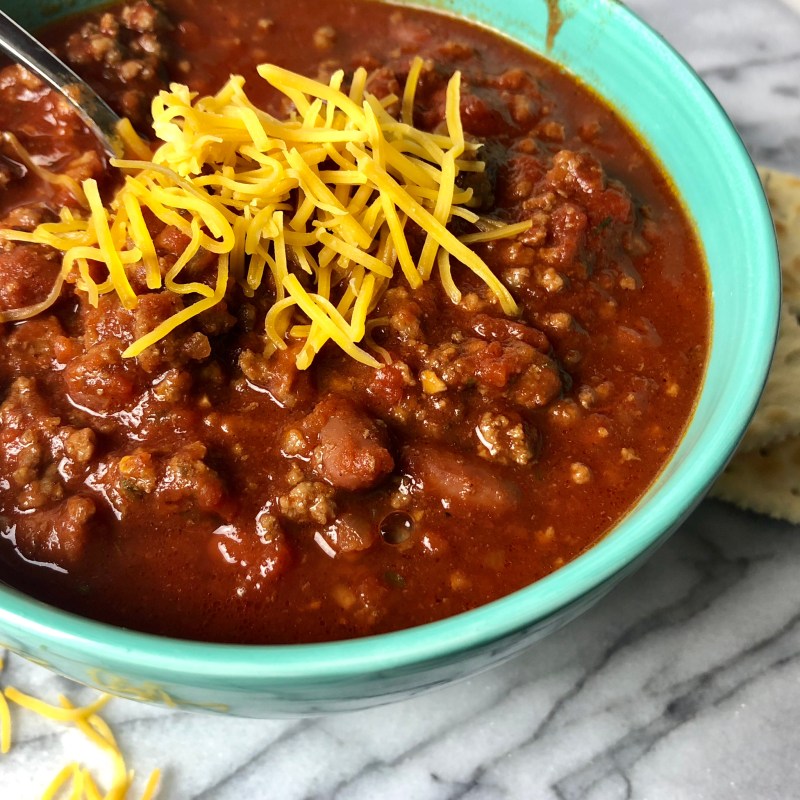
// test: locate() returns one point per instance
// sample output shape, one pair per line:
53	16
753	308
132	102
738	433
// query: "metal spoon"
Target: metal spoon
16	42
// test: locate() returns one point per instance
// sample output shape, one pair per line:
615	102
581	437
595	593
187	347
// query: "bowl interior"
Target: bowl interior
638	73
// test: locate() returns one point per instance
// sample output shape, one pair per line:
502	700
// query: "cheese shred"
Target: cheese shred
314	208
5	725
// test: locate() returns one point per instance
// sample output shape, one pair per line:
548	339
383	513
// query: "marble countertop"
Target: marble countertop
683	683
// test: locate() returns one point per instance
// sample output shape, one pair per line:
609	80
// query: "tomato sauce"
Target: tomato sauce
206	490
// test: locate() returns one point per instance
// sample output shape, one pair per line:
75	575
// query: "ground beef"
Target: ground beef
42	491
178	482
175	350
137	472
101	380
27	274
27	428
78	448
42	457
41	341
277	374
527	377
189	482
505	438
309	501
59	535
26	218
125	51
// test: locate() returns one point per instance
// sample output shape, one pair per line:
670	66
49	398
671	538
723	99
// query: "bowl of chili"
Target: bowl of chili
412	519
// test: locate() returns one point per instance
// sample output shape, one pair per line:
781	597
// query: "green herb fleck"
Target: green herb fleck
603	225
395	579
130	486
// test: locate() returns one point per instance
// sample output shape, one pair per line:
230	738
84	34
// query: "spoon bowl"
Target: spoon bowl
24	48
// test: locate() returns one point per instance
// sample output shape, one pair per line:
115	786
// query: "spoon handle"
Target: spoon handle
16	42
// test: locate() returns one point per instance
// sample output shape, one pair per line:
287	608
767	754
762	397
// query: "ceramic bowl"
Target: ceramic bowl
629	65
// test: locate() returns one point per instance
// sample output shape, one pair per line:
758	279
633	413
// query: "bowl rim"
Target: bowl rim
640	530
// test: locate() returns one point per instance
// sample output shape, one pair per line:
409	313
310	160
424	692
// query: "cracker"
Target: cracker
783	194
764	475
765	480
778	414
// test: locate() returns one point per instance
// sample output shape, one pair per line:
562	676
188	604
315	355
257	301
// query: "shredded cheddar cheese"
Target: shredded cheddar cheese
318	204
5	725
74	780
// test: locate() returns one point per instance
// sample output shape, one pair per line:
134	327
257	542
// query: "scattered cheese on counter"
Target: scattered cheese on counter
75	779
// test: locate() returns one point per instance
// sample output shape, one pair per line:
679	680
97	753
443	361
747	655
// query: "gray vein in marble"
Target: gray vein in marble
241	769
377	765
731	72
709	587
704	691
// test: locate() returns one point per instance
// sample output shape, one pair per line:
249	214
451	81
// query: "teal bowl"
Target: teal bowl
629	65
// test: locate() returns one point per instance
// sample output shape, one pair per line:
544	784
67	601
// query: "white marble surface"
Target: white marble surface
683	683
